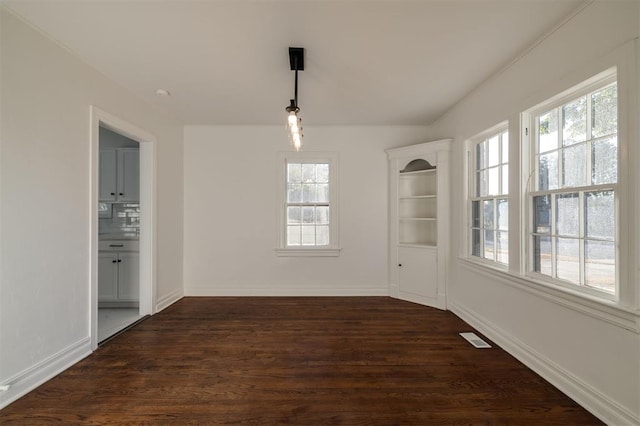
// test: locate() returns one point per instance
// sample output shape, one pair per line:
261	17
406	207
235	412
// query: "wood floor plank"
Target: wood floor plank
297	360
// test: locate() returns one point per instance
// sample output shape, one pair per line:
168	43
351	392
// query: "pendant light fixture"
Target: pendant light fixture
294	122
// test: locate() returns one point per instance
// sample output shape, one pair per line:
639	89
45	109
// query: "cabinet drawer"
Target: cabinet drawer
119	245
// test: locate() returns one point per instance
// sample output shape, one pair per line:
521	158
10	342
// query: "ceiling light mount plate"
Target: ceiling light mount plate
296	58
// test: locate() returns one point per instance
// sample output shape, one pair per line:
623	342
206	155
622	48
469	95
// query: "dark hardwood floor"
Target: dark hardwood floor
303	361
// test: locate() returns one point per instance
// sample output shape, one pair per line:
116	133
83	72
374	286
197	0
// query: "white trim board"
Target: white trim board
29	379
588	397
168	300
267	291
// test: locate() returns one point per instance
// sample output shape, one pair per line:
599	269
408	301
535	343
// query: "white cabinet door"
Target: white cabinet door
418	274
107	277
128	175
128	277
108	176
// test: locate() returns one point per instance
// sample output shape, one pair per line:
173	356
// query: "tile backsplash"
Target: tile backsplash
119	219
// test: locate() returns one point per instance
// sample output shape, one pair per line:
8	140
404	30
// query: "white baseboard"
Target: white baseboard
587	396
29	379
169	299
286	291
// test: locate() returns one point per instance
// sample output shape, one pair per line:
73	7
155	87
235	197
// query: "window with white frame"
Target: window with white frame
573	188
308	204
489	209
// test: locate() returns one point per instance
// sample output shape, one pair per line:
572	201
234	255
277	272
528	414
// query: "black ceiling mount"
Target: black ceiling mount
296	58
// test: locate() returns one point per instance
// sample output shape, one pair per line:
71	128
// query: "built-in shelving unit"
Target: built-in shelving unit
419	222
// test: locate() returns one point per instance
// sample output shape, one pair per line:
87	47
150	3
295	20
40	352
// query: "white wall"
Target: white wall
45	208
590	352
230	211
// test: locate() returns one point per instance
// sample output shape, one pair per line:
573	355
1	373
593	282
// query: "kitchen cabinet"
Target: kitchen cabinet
118	273
419	222
119	175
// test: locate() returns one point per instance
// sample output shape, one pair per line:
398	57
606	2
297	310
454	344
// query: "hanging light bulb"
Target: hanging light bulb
294	125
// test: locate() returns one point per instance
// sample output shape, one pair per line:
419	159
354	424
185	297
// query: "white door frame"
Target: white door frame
147	143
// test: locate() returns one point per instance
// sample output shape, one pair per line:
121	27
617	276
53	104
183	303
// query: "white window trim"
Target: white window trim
470	146
528	175
333	249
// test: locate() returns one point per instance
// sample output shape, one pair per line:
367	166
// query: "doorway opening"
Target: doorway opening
122	228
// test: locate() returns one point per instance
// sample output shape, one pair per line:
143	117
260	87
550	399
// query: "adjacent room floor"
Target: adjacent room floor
331	360
113	320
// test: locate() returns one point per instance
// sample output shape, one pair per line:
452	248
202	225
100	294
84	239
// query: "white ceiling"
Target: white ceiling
366	62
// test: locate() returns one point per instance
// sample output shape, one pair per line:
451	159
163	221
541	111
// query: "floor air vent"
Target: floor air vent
475	340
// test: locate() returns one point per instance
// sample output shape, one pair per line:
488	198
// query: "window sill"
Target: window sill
308	252
603	309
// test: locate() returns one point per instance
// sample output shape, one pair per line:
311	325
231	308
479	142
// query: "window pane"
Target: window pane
494	181
505	147
548	171
573	163
293	235
487	208
322	235
322	215
308	235
475	242
542	255
489	245
568	214
307	215
308	173
600	265
294	193
505	180
294	172
322	173
494	151
475	214
294	215
604	111
502	247
600	215
574	122
503	214
548	131
604	158
322	193
542	214
482	185
481	162
308	193
568	258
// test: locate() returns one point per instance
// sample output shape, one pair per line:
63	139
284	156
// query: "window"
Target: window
308	207
489	210
572	197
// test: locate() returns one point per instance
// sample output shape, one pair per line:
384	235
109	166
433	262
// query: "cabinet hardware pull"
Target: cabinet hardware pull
113	261
121	193
116	245
399	264
113	193
119	260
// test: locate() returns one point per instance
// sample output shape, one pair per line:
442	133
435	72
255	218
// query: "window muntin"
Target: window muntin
489	203
307	206
573	231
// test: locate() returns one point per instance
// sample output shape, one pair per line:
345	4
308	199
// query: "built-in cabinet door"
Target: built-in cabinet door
107	277
418	274
128	276
108	176
128	175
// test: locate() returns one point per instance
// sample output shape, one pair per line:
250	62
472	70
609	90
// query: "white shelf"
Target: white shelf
417	172
418	197
413	245
418	218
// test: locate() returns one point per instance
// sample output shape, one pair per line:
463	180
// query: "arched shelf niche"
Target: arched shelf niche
417	166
